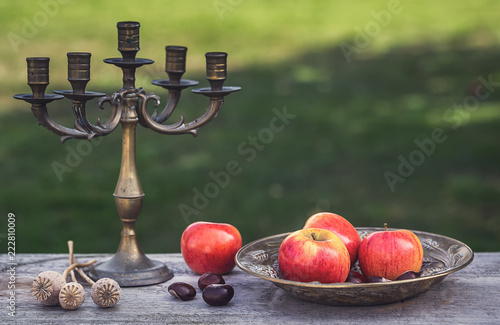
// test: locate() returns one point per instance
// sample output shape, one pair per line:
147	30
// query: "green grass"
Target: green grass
352	122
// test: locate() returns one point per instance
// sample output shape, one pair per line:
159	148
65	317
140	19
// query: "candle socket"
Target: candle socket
38	75
128	39
175	64
78	71
216	69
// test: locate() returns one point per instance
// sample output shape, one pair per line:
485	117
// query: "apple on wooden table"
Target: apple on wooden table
210	247
314	254
339	226
389	254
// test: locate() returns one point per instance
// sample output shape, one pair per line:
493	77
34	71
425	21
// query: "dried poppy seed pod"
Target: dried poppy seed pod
46	287
72	295
106	292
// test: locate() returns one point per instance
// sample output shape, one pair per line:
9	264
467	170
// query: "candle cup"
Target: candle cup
78	71
128	39
175	64
38	75
216	69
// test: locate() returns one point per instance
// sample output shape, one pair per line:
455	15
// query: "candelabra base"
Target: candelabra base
132	273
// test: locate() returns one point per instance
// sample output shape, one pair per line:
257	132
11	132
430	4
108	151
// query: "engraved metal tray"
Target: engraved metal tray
442	256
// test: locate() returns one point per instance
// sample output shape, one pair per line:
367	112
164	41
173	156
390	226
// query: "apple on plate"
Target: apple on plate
340	227
210	247
388	254
314	254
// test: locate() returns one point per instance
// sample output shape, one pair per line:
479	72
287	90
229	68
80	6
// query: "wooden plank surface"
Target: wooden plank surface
469	296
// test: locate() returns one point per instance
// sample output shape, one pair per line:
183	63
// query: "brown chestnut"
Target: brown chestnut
182	290
209	278
409	275
218	294
355	277
376	279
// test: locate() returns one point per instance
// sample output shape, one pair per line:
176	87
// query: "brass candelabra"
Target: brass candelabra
128	106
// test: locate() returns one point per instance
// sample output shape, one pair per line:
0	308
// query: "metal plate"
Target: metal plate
216	93
47	98
442	256
86	96
119	62
166	83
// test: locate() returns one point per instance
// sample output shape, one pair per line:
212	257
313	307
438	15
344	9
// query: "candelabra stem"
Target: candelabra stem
129	266
129	78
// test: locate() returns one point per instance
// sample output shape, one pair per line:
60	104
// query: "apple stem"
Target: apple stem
385	226
313	235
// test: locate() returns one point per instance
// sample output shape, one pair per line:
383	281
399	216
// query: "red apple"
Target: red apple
210	247
340	227
314	254
388	254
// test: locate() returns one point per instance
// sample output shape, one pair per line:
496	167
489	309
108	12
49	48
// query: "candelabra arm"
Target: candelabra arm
173	99
115	114
79	105
42	115
83	124
180	127
214	106
149	121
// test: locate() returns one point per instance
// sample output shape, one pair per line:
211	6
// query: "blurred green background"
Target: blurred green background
395	105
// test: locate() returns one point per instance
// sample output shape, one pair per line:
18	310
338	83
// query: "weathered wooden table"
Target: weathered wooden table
469	296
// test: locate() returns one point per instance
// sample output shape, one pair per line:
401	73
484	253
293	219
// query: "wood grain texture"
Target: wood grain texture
469	296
